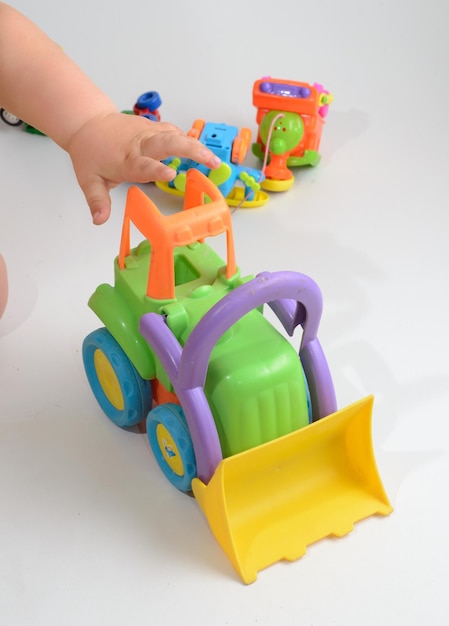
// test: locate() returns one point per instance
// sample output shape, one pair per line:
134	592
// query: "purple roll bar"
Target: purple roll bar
295	299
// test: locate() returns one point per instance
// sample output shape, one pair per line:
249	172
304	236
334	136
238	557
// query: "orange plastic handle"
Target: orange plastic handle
199	219
197	129
240	146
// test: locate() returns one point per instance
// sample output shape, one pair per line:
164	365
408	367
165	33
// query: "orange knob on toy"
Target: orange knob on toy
196	129
240	146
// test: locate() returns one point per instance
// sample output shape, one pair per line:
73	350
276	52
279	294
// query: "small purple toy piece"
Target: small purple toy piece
283	89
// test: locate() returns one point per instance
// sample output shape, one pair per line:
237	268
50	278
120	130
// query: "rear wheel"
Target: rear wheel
9	118
172	446
121	392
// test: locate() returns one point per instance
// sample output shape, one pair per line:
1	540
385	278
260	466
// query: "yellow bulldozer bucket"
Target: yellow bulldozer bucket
269	503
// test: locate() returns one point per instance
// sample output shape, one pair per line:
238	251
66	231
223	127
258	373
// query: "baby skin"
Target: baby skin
41	85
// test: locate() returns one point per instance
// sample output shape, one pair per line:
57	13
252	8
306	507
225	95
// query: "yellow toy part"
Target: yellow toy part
108	380
271	184
269	503
235	199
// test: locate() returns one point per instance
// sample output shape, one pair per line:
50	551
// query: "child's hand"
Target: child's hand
118	147
39	83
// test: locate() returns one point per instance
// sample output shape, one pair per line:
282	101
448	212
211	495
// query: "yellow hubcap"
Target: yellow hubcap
169	450
108	380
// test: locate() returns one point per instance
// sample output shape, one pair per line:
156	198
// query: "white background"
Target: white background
90	531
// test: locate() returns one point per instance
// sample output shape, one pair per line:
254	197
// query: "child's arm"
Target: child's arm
40	84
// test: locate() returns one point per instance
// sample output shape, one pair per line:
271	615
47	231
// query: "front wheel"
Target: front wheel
172	446
121	392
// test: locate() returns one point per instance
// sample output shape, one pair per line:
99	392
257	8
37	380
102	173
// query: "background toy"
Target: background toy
227	402
291	116
9	118
240	185
147	105
12	120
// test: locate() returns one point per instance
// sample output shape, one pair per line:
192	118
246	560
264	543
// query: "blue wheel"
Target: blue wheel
149	100
172	446
121	392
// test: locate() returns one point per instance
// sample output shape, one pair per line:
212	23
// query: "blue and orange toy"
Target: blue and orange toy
239	184
232	411
147	105
291	116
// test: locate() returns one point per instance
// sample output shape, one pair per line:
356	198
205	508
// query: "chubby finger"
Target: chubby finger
99	201
144	169
163	145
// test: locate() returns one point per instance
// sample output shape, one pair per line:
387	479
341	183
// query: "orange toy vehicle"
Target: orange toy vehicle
291	116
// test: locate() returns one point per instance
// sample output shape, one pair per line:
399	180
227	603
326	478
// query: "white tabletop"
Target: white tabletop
90	530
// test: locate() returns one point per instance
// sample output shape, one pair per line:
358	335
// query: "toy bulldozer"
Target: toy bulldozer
232	412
